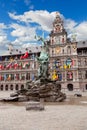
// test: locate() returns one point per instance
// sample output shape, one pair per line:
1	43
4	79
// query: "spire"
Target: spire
57	14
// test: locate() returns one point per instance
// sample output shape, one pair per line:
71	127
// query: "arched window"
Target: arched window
22	86
6	87
59	76
79	61
1	88
28	76
17	77
86	74
52	51
11	87
80	74
70	87
69	62
16	87
12	76
86	86
23	76
57	63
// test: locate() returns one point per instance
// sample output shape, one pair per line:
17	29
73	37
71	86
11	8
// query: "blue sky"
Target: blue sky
21	20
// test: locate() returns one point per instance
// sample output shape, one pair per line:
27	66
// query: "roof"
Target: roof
15	51
82	44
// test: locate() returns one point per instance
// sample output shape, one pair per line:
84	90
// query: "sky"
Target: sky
21	20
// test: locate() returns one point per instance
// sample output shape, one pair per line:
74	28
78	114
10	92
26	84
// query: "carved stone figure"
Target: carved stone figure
43	60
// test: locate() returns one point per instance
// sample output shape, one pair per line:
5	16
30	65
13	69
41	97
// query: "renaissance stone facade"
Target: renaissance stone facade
67	62
63	56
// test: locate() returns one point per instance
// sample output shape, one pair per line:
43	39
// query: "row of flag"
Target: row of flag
9	77
14	65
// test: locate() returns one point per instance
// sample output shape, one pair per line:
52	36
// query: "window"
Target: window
86	86
69	62
70	87
86	74
69	49
6	87
23	76
1	87
63	51
16	76
28	76
52	51
80	74
16	87
12	76
69	75
59	76
22	86
11	87
85	61
79	61
57	63
35	65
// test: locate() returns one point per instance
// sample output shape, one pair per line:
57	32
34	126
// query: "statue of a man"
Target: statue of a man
43	65
43	60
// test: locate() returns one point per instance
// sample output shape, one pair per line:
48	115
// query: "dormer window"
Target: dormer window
83	42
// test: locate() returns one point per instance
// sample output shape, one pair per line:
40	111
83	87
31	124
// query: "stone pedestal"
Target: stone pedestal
34	106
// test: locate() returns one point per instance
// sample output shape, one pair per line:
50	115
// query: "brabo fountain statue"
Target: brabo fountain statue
43	61
42	87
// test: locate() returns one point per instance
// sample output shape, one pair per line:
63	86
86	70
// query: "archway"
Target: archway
6	87
1	88
86	86
16	87
11	87
70	87
22	86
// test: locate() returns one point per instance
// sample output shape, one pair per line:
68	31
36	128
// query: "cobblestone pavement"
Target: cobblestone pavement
54	117
63	117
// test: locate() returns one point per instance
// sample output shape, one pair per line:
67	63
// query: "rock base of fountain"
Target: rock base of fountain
43	89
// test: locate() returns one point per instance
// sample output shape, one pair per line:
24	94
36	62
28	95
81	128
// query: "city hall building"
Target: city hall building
67	62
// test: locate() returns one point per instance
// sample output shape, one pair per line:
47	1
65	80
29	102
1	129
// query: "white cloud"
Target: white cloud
42	18
3	26
22	33
44	21
69	24
81	31
3	34
30	23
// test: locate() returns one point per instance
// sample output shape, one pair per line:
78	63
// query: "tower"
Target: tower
63	56
58	34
